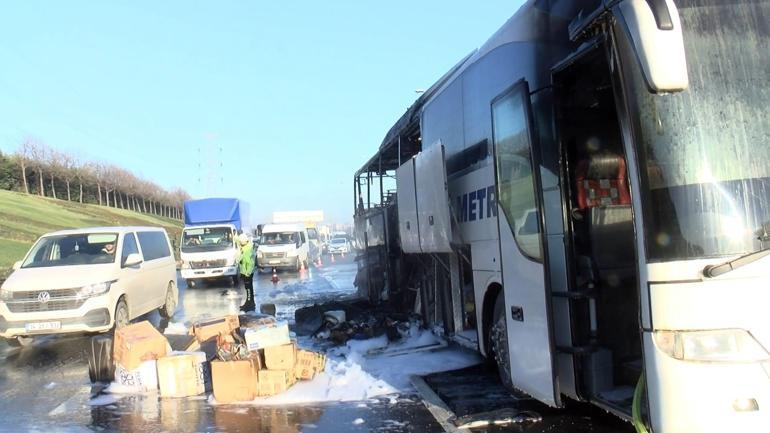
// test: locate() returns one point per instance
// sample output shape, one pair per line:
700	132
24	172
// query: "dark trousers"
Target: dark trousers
248	284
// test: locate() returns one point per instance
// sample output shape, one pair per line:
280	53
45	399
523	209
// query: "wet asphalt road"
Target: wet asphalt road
45	387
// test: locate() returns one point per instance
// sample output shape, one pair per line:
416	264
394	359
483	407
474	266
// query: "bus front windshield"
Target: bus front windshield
705	152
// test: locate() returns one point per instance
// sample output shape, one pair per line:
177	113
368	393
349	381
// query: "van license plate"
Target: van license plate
274	262
42	326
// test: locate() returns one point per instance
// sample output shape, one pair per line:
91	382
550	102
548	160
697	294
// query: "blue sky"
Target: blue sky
297	95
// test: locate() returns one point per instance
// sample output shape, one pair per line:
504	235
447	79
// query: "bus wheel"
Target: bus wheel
499	339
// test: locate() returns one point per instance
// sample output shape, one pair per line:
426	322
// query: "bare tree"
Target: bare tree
54	162
23	157
79	173
68	170
97	172
38	153
114	186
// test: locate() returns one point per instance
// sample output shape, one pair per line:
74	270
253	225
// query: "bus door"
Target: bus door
527	306
601	246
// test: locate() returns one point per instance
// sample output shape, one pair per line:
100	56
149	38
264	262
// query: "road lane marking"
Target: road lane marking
75	401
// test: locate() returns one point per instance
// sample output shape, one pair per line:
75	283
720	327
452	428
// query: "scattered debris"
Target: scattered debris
237	358
339	322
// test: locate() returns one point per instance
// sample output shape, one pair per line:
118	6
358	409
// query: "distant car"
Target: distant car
88	280
339	246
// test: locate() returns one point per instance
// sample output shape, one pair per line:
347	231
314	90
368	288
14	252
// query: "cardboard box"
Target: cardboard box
209	347
210	328
183	374
144	378
137	343
309	364
320	362
267	336
281	357
272	382
306	364
180	342
235	380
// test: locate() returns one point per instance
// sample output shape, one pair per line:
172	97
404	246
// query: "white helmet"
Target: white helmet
243	239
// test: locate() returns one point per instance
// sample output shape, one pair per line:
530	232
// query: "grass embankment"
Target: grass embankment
23	218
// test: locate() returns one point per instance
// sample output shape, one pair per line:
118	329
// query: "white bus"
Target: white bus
586	200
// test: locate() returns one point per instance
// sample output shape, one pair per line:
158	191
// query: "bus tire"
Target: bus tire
498	337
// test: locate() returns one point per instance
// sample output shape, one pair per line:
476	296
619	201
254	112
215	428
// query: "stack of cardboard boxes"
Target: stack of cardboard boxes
239	363
264	362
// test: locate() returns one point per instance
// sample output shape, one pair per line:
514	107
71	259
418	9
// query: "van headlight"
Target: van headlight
292	253
724	345
6	295
259	254
185	264
96	289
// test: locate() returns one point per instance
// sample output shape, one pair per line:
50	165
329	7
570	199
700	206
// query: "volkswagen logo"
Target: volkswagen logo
44	297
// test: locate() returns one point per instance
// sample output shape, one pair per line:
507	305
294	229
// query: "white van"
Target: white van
283	246
88	280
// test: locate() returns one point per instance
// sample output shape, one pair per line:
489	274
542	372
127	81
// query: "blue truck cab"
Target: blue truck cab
209	246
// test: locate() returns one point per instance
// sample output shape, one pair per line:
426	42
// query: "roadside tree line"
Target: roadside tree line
36	168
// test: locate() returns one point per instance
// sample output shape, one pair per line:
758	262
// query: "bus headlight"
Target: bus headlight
724	345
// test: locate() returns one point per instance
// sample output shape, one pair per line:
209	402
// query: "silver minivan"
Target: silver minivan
88	280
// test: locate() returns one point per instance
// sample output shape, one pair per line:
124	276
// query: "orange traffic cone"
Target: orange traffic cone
302	267
318	263
275	277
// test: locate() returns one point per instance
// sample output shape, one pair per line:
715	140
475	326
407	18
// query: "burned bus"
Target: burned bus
585	199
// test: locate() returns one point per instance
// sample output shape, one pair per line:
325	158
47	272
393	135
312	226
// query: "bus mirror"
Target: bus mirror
656	35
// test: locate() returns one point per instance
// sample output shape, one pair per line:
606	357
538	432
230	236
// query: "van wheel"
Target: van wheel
298	266
305	262
498	337
172	299
191	283
121	314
